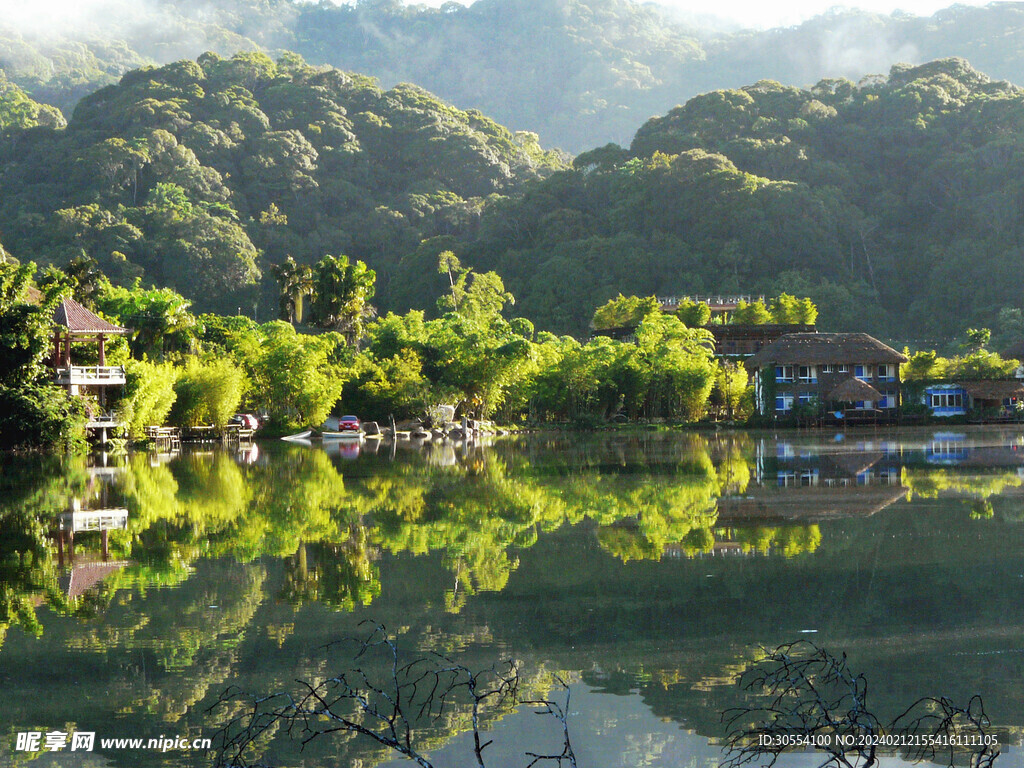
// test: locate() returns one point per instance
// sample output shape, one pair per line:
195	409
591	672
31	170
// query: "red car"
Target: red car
245	421
348	424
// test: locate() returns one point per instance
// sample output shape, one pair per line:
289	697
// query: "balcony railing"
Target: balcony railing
81	520
103	421
86	375
713	301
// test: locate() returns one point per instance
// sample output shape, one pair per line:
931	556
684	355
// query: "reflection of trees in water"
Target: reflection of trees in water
979	490
646	496
930	483
788	540
341	575
481	519
644	493
152	659
33	491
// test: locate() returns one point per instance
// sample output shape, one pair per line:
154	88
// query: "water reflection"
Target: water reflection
646	497
647	565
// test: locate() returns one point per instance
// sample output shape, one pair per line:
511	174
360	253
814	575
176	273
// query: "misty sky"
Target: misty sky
758	13
67	14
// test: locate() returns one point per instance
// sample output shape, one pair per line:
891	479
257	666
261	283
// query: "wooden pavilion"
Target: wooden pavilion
75	324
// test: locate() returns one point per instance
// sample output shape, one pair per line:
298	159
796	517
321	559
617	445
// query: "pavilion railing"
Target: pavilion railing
91	374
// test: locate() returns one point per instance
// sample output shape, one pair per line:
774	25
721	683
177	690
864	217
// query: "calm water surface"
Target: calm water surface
646	570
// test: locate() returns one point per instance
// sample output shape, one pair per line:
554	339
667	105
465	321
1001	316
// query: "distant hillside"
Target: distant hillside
895	204
199	175
578	72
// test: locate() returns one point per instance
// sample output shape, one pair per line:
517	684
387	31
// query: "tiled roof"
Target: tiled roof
77	319
85	576
825	348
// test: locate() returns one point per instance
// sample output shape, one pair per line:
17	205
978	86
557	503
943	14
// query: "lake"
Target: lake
645	570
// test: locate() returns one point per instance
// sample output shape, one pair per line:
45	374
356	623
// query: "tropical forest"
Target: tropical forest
489	383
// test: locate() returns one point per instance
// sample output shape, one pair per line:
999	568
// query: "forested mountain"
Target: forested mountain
895	204
577	72
199	175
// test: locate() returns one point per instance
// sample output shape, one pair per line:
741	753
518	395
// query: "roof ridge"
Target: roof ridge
826	348
78	319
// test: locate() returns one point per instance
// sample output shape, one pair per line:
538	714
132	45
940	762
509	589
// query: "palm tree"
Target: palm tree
296	282
342	291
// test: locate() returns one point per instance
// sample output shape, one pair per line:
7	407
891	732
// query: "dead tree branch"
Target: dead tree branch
944	729
560	712
802	698
386	696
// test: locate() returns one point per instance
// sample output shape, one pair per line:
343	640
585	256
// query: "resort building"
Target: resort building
741	340
74	325
721	305
991	399
851	374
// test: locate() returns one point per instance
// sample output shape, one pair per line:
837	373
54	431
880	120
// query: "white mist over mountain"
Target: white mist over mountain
761	15
96	16
68	16
733	14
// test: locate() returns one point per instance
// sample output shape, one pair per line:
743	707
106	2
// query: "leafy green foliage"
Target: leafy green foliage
751	313
34	415
207	392
18	111
884	202
295	378
788	309
624	312
33	412
979	364
694	314
615	62
471	357
869	200
159	318
25	328
199	175
148	396
296	283
341	295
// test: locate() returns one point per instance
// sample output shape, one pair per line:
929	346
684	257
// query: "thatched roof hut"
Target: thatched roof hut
993	390
853	390
824	349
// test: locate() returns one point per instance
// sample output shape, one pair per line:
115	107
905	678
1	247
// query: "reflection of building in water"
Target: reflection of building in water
946	448
87	519
725	548
802	483
957	449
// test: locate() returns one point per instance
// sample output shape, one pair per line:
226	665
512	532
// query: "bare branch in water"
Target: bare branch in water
384	696
803	697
